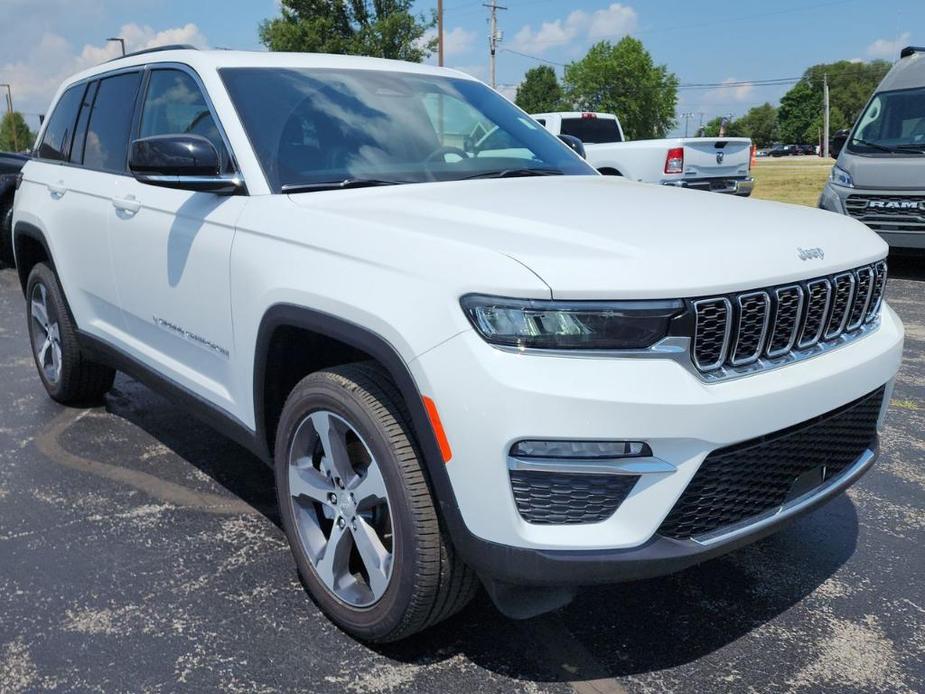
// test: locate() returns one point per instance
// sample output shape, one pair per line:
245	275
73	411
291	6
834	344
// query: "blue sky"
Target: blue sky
41	42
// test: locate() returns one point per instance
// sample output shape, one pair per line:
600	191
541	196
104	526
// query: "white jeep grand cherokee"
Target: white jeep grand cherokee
466	365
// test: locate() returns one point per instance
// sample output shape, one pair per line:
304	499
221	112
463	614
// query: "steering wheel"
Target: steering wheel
444	150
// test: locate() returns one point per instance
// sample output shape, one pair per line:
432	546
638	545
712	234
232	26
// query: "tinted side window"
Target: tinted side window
106	147
175	105
592	130
56	141
80	132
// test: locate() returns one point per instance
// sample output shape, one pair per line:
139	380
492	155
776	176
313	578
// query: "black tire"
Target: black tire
6	233
79	380
428	581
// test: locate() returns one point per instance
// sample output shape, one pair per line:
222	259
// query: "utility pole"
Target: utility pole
825	116
494	37
9	96
440	32
687	117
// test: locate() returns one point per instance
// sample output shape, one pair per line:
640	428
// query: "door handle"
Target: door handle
127	204
57	189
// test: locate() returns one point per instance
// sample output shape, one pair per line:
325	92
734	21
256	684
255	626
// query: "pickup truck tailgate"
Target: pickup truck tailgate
709	157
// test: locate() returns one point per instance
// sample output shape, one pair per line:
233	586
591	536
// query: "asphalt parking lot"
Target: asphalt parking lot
140	551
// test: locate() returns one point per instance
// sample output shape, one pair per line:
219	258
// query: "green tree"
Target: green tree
850	86
760	124
15	135
623	79
540	91
378	28
734	128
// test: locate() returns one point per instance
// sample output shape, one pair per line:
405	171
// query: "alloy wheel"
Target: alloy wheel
341	508
46	334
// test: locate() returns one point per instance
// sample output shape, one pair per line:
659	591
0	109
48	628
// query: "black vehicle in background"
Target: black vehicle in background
10	166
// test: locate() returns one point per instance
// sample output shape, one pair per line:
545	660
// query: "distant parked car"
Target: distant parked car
761	153
782	150
808	149
10	165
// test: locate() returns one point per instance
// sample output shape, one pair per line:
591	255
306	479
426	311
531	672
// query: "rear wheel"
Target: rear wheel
357	509
68	376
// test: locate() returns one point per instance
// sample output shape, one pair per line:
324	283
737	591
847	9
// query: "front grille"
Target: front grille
888	212
551	498
739	482
764	328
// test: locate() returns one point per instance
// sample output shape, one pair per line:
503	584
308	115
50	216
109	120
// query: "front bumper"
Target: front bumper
730	186
657	557
895	232
488	399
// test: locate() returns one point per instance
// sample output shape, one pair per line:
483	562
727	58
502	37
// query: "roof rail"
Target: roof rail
910	50
157	49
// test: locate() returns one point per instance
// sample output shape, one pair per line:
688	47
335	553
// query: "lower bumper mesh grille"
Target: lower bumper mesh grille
751	478
563	499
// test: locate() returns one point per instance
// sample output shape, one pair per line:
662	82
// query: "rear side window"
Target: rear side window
592	130
80	133
59	132
175	105
110	124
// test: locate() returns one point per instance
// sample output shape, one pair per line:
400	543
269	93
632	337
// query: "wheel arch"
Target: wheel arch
359	343
30	247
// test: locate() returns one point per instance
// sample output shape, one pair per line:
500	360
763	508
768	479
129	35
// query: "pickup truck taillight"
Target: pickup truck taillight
674	162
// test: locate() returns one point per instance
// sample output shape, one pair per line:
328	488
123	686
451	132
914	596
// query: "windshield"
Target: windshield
318	126
894	122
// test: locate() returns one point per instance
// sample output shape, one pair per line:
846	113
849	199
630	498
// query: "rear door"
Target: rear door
172	248
80	161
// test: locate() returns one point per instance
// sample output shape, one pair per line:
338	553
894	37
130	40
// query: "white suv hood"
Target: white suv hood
593	237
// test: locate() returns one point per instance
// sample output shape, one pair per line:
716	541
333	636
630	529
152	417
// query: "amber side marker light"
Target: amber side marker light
437	426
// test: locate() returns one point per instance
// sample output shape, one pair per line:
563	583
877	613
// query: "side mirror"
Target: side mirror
838	141
575	145
185	162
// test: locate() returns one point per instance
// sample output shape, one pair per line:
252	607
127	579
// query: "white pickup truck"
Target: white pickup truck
717	164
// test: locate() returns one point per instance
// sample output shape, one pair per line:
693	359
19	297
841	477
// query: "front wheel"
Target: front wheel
357	510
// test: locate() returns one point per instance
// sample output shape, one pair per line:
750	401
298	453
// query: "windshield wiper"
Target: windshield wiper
882	148
342	184
514	173
912	148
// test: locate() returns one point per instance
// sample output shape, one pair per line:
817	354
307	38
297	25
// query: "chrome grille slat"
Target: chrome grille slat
876	297
750	331
864	277
711	333
842	296
786	323
817	308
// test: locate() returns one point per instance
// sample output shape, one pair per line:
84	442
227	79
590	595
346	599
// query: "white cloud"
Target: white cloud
739	93
37	75
889	48
455	42
612	22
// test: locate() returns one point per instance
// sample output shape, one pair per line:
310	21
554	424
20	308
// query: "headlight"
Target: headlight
840	177
533	324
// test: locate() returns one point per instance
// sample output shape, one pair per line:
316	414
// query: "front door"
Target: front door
171	251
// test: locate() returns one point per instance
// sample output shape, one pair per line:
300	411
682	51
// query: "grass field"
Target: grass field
797	180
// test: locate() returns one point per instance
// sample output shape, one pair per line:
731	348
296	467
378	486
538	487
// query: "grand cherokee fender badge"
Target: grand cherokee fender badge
811	253
190	337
